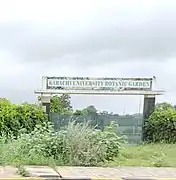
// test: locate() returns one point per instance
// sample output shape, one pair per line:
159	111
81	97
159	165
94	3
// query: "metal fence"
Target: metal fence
130	126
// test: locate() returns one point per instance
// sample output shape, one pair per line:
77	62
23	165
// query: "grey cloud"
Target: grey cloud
110	40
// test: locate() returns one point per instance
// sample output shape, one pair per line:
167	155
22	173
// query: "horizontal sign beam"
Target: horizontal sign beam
102	84
91	92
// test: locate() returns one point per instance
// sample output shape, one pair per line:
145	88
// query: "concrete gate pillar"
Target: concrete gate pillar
149	105
45	100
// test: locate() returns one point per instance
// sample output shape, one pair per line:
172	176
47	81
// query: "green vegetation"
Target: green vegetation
17	118
27	138
151	155
44	149
76	144
61	104
161	125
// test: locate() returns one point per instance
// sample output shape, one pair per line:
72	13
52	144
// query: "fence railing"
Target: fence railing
130	126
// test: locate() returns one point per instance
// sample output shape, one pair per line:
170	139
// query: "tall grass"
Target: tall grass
75	144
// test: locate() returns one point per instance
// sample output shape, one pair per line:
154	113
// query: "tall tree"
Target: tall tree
90	110
61	104
163	106
65	101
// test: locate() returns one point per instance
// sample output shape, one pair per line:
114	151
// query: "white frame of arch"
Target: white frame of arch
52	92
46	91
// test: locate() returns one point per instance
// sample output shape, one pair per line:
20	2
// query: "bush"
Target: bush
14	118
76	144
161	125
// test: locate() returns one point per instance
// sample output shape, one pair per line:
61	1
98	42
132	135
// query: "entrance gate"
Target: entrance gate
128	125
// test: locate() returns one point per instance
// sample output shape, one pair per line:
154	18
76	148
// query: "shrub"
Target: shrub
14	118
76	144
161	125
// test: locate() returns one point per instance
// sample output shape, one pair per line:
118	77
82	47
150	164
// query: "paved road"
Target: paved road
117	172
93	172
8	172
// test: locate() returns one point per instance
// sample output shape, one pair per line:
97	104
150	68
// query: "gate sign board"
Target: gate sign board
100	84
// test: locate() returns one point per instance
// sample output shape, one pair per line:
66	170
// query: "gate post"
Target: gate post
45	100
149	105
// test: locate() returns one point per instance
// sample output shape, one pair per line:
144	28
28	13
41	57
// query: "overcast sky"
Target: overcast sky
100	38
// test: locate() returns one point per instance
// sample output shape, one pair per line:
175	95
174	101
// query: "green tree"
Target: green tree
14	118
56	106
61	104
90	110
78	113
161	125
65	101
163	106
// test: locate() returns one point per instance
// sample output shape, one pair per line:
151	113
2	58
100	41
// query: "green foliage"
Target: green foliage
65	100
163	106
110	140
76	144
161	125
16	118
55	106
61	104
78	113
90	110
